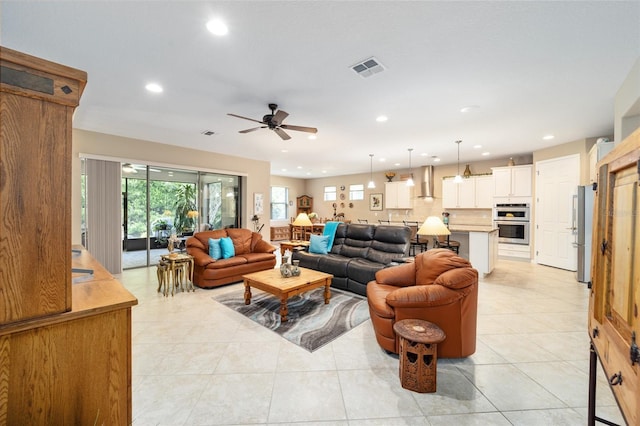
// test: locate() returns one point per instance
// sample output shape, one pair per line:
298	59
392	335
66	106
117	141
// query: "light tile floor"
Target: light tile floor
196	362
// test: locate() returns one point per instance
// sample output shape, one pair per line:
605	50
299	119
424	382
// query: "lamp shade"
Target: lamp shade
433	226
302	220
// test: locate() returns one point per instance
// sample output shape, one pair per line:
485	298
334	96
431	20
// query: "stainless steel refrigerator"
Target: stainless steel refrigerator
584	225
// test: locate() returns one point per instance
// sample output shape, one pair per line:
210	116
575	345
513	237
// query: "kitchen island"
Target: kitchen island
478	244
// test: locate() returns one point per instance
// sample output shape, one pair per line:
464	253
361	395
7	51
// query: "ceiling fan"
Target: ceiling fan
273	121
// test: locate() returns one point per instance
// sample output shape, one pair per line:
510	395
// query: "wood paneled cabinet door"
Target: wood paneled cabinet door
37	99
304	204
614	323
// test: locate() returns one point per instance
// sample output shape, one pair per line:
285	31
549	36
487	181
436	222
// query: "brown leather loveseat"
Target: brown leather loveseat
252	254
439	287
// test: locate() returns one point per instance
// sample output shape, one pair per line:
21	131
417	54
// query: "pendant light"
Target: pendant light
410	180
458	178
371	184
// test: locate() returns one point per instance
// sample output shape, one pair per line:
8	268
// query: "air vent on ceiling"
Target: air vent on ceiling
368	67
208	132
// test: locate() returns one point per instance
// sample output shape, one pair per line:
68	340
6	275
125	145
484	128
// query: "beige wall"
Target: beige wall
422	207
627	105
581	147
297	187
256	173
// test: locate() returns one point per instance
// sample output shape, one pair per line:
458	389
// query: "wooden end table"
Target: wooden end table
274	283
180	269
418	354
292	244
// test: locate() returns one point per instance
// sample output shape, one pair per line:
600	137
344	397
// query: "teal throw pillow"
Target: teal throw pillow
214	248
227	248
318	244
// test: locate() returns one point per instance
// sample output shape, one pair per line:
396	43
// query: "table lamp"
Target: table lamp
303	221
433	226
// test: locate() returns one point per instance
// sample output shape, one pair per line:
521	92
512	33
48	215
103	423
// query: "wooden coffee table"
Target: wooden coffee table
284	288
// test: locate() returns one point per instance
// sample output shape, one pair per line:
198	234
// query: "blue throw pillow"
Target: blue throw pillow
227	248
318	244
214	248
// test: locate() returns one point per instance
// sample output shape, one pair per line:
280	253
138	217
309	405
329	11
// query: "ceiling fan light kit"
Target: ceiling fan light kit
274	121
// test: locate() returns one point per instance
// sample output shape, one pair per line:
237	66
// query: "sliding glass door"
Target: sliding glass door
159	201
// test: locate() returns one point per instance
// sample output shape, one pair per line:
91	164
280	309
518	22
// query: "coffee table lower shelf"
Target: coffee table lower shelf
271	281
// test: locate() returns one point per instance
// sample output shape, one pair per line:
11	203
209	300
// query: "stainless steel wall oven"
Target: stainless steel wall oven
512	221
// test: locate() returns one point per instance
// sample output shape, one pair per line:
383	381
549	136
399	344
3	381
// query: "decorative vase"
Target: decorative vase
285	267
467	171
511	163
295	269
170	246
389	176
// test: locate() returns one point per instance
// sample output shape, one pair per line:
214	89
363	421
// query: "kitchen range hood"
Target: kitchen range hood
425	189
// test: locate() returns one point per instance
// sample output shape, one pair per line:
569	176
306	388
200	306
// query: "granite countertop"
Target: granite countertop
472	228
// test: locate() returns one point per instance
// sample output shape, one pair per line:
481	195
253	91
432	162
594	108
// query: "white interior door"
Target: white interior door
557	183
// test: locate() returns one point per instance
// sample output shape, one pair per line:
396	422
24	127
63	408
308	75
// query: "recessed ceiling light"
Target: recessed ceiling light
308	173
299	167
153	87
382	160
382	118
469	108
324	171
217	27
284	170
396	164
284	150
486	153
477	146
548	137
312	137
435	159
424	154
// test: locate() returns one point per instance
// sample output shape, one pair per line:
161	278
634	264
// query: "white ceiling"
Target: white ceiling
532	68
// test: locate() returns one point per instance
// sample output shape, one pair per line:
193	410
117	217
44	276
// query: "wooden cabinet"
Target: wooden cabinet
36	105
279	233
397	195
614	321
474	192
515	181
65	350
304	204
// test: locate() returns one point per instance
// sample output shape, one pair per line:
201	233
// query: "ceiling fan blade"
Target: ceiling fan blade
245	118
252	130
282	134
299	128
279	117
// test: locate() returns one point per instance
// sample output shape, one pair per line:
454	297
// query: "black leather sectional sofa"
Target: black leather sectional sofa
358	252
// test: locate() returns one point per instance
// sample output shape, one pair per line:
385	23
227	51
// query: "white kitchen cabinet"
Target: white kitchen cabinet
474	192
484	192
483	250
397	195
512	181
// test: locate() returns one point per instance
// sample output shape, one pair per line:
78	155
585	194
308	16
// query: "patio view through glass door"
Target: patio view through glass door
159	201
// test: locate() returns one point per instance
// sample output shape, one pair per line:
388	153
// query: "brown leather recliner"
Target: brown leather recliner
439	287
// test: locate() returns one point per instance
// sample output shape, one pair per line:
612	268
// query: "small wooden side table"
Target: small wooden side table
418	354
180	269
292	244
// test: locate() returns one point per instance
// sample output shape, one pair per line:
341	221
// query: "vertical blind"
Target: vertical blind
103	203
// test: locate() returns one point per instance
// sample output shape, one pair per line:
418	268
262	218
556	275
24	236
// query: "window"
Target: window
356	192
279	203
330	193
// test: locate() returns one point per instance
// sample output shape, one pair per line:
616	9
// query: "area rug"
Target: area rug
311	323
